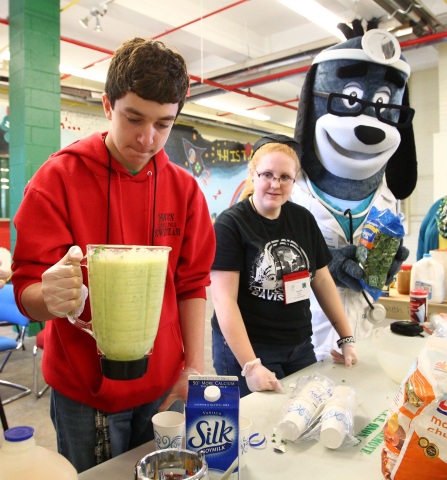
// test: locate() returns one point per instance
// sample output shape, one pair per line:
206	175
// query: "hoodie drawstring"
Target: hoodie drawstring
150	218
120	196
154	197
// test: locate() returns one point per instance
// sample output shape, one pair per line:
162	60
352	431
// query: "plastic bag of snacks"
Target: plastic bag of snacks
378	245
415	432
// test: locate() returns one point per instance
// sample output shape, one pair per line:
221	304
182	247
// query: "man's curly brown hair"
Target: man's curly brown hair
149	69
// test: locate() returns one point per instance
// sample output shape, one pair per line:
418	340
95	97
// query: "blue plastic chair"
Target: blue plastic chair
39	345
11	316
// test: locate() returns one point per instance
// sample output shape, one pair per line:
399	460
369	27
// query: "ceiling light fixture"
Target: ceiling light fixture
84	21
320	16
402	32
98	27
97	13
206	102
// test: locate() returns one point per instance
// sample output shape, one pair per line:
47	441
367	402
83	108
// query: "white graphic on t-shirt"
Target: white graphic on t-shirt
278	258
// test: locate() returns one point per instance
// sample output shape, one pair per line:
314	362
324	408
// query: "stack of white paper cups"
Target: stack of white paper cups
337	417
302	408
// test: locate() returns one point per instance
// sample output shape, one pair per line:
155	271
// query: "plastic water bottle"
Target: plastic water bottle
428	274
22	459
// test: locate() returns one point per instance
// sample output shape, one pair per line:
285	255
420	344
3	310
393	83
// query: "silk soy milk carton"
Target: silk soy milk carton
212	422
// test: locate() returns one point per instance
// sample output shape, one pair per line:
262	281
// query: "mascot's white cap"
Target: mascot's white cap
378	46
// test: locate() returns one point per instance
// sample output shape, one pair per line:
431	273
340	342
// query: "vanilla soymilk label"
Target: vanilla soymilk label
212	421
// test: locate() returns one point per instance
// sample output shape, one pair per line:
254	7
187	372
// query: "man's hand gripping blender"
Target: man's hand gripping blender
62	287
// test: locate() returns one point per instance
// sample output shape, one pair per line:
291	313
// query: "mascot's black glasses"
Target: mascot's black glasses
350	106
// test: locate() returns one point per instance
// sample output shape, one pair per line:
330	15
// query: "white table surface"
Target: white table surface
374	390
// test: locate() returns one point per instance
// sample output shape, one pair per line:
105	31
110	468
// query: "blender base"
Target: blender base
124	370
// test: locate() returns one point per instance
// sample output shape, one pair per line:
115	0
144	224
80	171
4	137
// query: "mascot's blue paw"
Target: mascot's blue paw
344	268
400	257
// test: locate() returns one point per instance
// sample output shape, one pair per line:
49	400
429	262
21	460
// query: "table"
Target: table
397	306
375	391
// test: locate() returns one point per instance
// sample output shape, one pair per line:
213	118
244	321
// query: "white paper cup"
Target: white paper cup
334	426
244	440
337	416
296	420
315	392
169	430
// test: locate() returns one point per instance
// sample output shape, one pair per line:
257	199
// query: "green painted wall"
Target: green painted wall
34	91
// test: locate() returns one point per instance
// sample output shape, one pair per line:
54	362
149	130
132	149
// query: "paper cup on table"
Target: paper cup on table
296	420
337	417
244	440
333	426
169	430
315	392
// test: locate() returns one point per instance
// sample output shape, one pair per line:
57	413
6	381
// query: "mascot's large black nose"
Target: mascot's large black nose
369	135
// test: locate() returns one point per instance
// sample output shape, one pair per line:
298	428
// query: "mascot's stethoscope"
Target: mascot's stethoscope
374	312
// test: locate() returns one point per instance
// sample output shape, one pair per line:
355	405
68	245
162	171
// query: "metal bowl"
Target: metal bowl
170	464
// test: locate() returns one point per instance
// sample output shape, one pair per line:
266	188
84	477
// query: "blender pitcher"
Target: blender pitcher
126	289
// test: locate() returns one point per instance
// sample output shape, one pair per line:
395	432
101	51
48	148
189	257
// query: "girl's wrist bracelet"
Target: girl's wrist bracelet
344	340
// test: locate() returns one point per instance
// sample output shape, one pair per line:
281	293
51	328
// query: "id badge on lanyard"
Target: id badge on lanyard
296	286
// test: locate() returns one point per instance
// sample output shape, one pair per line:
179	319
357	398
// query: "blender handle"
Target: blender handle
73	316
78	323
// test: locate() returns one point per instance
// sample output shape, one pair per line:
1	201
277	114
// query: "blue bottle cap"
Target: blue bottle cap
19	434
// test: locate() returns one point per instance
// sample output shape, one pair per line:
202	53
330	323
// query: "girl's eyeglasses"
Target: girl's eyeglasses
268	177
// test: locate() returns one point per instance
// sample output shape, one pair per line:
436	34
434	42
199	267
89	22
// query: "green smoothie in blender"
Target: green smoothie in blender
126	288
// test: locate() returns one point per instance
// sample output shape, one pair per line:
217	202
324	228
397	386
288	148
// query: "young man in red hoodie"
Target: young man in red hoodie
116	187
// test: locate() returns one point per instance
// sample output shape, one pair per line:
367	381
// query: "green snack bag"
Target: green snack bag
378	245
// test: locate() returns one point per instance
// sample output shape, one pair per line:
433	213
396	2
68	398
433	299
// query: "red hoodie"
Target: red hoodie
65	204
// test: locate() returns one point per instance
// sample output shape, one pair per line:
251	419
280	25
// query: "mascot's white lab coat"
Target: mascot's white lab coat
324	336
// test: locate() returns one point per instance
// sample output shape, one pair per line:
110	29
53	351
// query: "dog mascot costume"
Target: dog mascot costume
356	145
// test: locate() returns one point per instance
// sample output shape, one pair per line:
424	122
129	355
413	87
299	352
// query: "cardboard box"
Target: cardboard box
397	306
212	421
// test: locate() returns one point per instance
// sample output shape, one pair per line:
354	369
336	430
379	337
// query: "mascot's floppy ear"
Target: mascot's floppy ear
401	171
277	138
304	106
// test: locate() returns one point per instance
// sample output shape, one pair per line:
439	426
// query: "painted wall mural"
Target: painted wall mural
219	166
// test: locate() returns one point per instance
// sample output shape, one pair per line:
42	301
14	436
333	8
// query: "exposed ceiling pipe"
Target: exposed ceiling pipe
193	77
270	78
199	19
241	92
87	45
434	38
411	13
266	105
110	52
236	88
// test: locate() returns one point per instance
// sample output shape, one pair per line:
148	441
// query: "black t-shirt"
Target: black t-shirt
263	250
